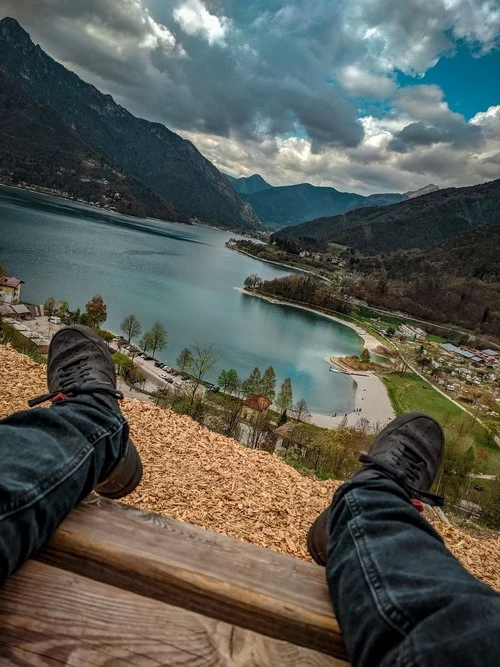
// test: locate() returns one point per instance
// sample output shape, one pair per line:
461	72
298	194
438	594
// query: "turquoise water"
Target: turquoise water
183	276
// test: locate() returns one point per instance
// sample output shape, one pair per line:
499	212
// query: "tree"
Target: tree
156	337
130	327
268	383
95	310
252	385
49	305
229	380
365	356
63	307
260	427
284	400
300	411
146	342
253	281
138	376
107	336
124	364
184	360
390	331
204	359
283	418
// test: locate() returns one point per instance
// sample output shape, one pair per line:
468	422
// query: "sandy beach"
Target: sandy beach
371	400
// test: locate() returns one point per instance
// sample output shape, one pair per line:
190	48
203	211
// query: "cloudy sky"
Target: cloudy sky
365	95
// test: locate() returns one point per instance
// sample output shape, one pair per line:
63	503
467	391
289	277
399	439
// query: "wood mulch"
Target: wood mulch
193	474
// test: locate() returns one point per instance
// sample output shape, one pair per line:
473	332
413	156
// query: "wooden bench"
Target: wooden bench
121	586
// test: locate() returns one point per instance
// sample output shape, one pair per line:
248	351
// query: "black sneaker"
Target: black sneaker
408	451
79	364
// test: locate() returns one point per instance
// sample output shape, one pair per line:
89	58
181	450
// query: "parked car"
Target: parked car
159	364
54	320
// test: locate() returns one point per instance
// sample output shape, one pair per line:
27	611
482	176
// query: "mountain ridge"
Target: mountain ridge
165	162
248	185
286	205
412	223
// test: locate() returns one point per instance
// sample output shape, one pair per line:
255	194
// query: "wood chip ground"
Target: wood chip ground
206	479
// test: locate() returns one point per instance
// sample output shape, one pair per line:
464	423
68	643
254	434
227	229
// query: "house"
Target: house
10	289
258	403
21	312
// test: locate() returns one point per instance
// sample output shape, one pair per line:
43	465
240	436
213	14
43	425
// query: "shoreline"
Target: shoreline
371	400
286	266
370	342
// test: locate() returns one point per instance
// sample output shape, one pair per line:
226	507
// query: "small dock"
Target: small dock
121	586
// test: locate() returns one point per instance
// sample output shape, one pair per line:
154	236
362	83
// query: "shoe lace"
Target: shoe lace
405	471
74	380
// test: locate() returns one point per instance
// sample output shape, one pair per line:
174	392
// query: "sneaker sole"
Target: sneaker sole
125	478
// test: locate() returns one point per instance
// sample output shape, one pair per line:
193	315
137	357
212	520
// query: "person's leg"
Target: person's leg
50	459
400	596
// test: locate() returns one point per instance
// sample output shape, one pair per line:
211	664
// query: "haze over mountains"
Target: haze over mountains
288	205
415	223
159	158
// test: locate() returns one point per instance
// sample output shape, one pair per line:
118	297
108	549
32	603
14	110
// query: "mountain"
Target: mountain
413	223
159	158
290	204
38	148
455	281
475	254
411	194
248	185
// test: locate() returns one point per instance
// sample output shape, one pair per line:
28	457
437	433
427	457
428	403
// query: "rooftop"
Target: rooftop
12	281
259	403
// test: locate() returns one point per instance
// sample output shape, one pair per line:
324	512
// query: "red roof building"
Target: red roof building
10	289
259	403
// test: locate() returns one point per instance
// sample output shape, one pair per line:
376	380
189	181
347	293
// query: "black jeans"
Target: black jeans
49	460
400	596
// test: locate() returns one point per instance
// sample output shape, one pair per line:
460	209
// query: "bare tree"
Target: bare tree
184	359
204	359
157	337
300	411
131	327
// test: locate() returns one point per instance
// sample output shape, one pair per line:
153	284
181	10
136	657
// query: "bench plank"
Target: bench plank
180	564
53	617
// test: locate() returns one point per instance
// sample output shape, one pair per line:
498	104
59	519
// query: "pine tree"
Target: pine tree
284	400
268	383
252	385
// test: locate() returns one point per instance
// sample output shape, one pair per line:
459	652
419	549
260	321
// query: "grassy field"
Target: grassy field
409	393
437	339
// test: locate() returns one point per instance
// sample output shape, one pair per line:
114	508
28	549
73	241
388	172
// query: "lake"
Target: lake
183	276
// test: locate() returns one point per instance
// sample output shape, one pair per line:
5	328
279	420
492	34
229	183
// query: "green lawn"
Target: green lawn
437	339
409	393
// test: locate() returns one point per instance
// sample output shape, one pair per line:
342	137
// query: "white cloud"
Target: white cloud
195	19
369	167
278	97
412	35
361	83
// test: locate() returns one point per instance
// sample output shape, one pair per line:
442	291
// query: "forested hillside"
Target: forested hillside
415	223
38	148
